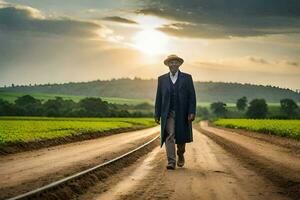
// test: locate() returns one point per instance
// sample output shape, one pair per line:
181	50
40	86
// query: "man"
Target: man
175	107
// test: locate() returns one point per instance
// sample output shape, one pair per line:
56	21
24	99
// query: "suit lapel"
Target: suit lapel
167	77
179	79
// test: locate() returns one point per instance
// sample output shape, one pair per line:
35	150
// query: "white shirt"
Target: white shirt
174	78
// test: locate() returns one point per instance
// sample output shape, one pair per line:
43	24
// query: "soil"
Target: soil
220	164
277	158
210	173
22	172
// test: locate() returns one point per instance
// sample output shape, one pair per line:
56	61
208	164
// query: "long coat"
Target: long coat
185	106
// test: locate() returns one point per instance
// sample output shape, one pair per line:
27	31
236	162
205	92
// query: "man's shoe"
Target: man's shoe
180	161
171	166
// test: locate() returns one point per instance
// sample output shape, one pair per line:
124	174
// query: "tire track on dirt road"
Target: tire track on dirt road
25	171
210	173
279	164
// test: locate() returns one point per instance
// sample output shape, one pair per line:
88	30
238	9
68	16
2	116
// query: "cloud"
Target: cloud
222	73
120	20
258	60
18	18
291	63
210	31
32	43
251	64
225	18
274	62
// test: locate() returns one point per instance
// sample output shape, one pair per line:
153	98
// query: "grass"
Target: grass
12	96
284	128
24	129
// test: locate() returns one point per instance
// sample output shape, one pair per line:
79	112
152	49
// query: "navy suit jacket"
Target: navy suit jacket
185	106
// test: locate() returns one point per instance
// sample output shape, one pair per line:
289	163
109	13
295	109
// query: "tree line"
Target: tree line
87	107
256	109
95	107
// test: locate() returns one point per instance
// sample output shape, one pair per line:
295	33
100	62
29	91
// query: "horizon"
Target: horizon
49	41
137	78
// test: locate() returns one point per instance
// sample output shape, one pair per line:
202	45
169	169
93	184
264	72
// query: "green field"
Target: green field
24	129
285	128
12	96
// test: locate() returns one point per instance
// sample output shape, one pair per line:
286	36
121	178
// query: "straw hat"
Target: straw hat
173	57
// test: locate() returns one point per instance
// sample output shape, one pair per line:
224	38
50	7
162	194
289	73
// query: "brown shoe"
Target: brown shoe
180	161
171	166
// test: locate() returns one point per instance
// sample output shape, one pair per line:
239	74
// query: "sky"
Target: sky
53	41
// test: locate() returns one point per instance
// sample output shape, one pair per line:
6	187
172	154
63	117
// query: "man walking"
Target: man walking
175	109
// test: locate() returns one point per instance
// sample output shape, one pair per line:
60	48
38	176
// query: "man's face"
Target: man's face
173	66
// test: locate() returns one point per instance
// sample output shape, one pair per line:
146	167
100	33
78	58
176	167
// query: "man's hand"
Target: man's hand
157	120
191	117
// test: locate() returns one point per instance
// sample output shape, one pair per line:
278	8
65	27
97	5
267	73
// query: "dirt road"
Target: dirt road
210	173
271	158
220	164
28	170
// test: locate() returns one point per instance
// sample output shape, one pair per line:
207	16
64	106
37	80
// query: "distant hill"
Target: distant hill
146	89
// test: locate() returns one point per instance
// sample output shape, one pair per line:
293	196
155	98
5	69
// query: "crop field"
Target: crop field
24	129
12	96
285	128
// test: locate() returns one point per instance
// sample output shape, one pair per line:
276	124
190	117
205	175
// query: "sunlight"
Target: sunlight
151	41
150	22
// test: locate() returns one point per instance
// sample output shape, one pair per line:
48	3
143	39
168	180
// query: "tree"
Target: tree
218	108
28	106
288	107
26	100
144	106
258	109
94	107
6	108
241	103
58	107
202	112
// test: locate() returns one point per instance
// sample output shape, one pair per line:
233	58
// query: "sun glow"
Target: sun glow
151	41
